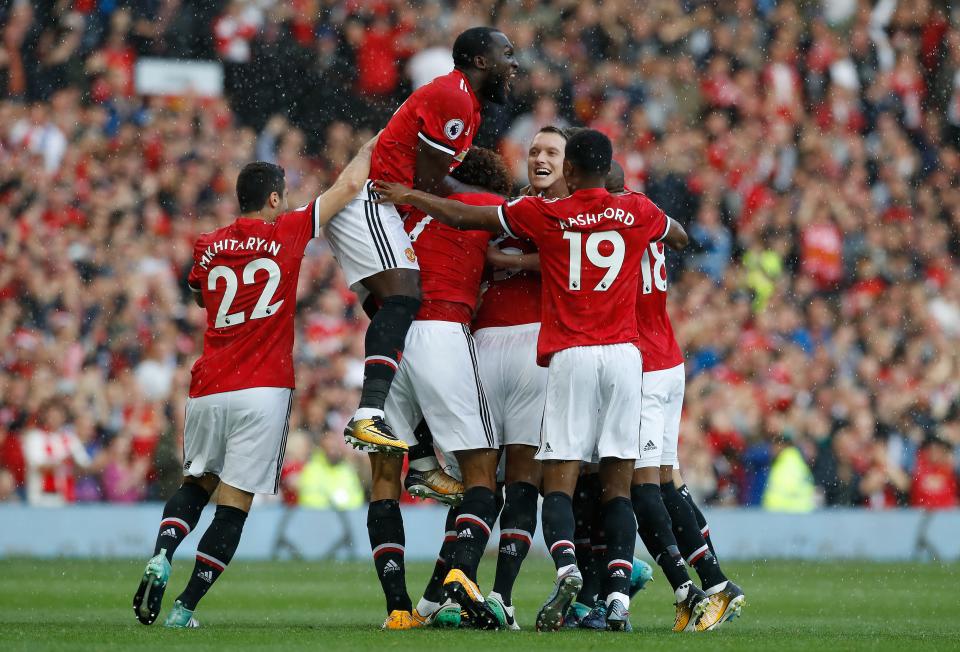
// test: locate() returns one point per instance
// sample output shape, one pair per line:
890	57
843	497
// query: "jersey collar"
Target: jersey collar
473	96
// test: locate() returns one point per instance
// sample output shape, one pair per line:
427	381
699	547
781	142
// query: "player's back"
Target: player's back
451	262
591	245
512	297
657	341
248	272
444	114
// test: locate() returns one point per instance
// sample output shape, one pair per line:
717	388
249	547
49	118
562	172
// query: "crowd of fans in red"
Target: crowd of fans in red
811	153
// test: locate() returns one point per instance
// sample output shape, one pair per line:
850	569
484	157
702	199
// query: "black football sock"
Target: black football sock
421	455
384	348
701	519
656	532
692	545
180	516
558	528
214	552
475	519
434	590
586	496
518	522
620	527
385	528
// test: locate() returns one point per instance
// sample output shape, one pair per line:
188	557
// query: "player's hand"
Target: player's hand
391	193
501	260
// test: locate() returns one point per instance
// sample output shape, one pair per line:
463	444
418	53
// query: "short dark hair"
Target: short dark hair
589	151
474	42
484	168
255	183
550	129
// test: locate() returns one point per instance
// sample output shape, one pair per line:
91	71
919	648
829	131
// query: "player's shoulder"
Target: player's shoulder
447	90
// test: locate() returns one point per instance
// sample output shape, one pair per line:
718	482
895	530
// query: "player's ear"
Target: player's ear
275	199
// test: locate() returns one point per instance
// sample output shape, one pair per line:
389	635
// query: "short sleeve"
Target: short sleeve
444	118
658	220
194	278
521	218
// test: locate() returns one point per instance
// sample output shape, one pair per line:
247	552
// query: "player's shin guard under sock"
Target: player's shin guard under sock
619	525
692	545
586	497
180	516
434	590
214	552
558	528
475	519
701	519
384	348
385	529
518	522
653	524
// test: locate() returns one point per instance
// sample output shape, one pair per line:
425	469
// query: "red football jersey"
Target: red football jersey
657	342
512	298
591	244
451	262
444	114
248	273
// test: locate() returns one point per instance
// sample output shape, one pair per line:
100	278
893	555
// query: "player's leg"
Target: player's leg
474	522
518	522
375	255
701	519
204	442
587	534
181	514
428	607
255	423
619	525
425	478
568	438
214	552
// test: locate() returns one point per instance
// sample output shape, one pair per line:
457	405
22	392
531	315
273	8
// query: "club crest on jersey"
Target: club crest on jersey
453	128
411	255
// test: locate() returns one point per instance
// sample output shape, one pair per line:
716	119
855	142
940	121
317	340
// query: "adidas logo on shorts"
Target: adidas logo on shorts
206	576
169	532
547	449
650	446
391	567
186	465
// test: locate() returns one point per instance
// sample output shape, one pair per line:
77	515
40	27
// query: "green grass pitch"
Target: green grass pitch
70	604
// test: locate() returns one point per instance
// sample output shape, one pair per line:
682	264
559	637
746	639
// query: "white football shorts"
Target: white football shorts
239	436
368	238
439	381
593	404
516	387
662	404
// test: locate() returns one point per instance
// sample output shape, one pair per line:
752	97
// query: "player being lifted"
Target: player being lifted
245	275
438	382
425	139
591	244
506	328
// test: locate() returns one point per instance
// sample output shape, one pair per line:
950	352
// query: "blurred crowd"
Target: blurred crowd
812	149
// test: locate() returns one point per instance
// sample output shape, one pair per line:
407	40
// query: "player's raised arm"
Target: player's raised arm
347	185
454	213
529	262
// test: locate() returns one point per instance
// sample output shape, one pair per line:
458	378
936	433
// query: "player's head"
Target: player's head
615	181
545	159
488	52
261	187
586	160
485	169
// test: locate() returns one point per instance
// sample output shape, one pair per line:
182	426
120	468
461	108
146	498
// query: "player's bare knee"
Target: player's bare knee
395	283
666	474
522	465
231	496
647	475
208	481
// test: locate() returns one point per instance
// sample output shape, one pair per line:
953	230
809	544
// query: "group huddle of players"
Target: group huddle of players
527	336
